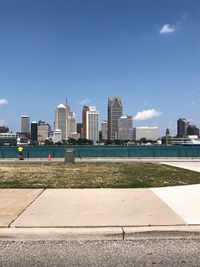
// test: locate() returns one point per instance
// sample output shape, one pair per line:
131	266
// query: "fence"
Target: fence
103	151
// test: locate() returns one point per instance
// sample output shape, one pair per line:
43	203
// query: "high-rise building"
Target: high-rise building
44	130
84	123
167	132
150	133
65	120
34	132
25	124
182	125
114	113
92	122
104	130
79	127
61	120
192	130
72	122
125	128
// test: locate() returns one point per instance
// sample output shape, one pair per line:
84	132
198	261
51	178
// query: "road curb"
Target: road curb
70	234
100	233
162	232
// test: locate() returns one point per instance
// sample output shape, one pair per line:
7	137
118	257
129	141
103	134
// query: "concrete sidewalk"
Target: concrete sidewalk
189	165
98	213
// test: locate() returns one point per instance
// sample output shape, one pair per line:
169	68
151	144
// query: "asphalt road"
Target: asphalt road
143	252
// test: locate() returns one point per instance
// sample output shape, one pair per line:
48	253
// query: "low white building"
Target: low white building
75	135
150	133
8	138
57	136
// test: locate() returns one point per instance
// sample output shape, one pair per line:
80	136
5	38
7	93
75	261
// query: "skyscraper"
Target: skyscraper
79	127
25	124
92	122
44	130
34	132
84	123
114	113
65	120
104	130
125	128
182	125
61	120
72	123
192	130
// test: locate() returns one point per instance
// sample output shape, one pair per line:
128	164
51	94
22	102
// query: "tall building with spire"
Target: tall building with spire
61	120
114	113
65	120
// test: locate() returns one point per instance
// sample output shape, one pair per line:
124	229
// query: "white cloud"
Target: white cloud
146	114
167	28
85	102
3	101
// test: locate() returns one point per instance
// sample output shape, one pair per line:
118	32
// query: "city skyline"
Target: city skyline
146	53
117	125
145	115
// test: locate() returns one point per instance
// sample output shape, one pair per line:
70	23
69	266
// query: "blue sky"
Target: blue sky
147	52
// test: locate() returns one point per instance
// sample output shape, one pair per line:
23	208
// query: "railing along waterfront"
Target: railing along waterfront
104	151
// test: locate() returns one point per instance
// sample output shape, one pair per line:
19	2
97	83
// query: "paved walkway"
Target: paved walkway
108	211
189	165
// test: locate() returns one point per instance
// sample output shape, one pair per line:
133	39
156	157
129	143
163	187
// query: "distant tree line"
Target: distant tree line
82	141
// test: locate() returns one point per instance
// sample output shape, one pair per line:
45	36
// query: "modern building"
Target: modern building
57	136
84	122
34	132
75	135
72	123
192	130
114	113
182	125
65	120
125	128
25	124
4	129
44	130
79	127
150	133
8	139
167	132
104	130
92	122
61	120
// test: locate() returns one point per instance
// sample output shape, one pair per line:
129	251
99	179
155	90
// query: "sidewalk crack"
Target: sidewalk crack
123	233
9	226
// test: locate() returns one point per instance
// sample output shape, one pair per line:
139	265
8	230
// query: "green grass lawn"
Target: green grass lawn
93	175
